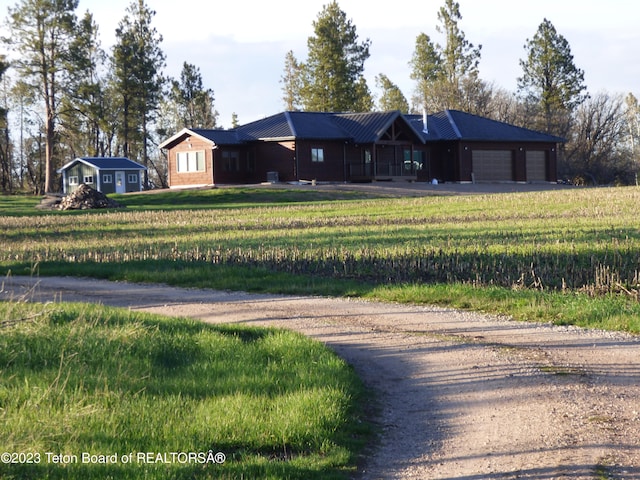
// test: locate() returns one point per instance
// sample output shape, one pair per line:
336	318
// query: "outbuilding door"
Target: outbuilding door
492	165
121	187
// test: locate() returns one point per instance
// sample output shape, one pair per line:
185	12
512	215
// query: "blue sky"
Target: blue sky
240	45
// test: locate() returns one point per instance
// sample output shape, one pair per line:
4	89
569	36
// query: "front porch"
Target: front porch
386	162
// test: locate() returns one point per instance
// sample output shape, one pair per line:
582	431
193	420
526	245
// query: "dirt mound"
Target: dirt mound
85	198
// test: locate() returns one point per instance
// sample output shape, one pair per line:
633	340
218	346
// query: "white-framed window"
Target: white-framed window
73	180
107	178
132	178
317	155
88	179
190	161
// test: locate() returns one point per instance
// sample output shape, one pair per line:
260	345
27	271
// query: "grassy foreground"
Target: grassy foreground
88	392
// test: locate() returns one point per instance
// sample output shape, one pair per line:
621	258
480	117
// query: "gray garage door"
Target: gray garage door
536	166
492	165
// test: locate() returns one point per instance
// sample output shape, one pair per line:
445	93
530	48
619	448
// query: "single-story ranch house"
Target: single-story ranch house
104	174
450	146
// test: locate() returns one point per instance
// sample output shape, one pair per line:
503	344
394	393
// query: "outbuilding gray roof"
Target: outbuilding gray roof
106	163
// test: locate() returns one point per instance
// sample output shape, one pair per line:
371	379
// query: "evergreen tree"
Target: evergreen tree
41	33
460	58
551	82
291	82
137	64
194	102
364	100
333	74
82	109
447	76
392	97
426	71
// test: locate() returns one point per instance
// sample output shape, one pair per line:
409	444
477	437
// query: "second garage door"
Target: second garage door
536	166
492	165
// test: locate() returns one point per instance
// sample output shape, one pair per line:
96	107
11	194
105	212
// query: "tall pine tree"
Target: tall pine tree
426	71
6	183
333	74
447	75
138	62
291	82
551	82
194	102
392	97
83	111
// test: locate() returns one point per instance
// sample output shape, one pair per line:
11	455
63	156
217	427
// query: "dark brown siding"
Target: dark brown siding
275	157
425	174
445	163
231	164
332	169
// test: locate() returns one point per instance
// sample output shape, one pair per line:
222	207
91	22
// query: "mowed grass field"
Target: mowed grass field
565	256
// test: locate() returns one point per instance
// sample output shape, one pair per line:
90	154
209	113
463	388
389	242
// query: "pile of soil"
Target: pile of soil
84	198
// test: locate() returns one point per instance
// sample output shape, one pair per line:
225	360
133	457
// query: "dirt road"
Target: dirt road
463	396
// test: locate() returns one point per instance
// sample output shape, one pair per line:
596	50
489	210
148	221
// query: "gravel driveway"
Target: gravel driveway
463	396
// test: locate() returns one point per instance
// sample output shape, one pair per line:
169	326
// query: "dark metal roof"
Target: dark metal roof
356	127
457	125
473	127
275	126
368	128
218	136
317	126
439	127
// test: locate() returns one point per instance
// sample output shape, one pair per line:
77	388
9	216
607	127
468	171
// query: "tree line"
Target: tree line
63	96
70	98
602	130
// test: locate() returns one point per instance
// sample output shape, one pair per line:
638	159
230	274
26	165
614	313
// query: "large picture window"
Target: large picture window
190	161
317	155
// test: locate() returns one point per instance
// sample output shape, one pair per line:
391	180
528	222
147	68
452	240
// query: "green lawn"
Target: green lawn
89	392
